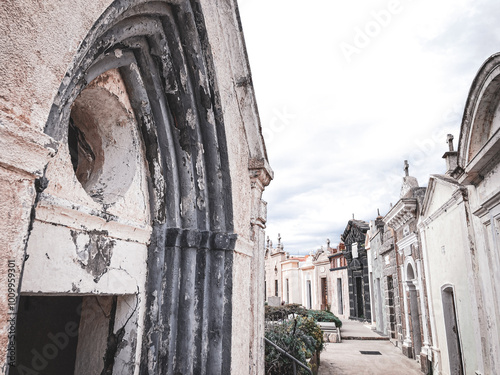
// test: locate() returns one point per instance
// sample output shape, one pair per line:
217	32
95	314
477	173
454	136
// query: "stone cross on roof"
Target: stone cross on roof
449	139
407	168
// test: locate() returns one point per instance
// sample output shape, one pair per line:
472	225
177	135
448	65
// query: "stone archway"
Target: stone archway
160	51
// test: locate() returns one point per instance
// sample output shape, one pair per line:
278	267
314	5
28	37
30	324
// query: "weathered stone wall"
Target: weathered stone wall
306	276
478	171
247	155
274	270
77	244
446	240
412	324
334	293
321	271
392	299
379	281
33	62
290	271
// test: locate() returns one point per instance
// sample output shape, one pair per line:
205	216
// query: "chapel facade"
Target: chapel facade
402	218
460	236
354	238
384	279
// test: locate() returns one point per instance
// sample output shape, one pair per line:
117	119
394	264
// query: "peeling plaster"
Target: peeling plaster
94	251
177	59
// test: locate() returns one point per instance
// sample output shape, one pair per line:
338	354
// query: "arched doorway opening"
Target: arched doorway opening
452	335
414	311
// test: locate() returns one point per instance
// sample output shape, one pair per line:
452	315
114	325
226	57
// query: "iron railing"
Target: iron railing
295	361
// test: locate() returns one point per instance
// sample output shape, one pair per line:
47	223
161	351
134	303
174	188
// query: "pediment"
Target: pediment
404	211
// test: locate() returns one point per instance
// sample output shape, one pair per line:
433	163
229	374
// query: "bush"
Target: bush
300	337
294	329
288	338
324	316
311	328
274	313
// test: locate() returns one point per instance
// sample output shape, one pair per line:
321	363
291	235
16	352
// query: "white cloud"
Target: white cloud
337	131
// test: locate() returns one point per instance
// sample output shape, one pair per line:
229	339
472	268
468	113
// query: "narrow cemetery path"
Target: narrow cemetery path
345	358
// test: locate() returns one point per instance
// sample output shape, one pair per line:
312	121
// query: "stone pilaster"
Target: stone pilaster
24	153
260	176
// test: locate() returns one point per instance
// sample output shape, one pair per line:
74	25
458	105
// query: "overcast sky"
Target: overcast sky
347	90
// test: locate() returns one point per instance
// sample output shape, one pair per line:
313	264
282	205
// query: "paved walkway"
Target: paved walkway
345	358
353	330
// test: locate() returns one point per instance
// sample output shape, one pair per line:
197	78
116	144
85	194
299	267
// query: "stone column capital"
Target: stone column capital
260	172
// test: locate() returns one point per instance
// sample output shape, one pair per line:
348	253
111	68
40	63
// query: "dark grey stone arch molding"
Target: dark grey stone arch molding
162	52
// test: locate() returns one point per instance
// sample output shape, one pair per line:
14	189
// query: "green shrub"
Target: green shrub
301	337
311	328
324	316
287	337
274	313
294	329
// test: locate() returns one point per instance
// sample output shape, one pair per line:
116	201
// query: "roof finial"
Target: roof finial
407	168
378	212
279	239
449	139
353	216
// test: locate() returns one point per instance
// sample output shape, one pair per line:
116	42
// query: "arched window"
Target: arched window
410	274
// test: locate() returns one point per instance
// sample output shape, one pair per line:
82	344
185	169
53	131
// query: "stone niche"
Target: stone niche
82	296
101	139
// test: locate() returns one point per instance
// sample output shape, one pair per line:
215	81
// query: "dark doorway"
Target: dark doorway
324	294
452	336
380	315
415	323
339	296
287	292
359	297
47	334
309	295
390	303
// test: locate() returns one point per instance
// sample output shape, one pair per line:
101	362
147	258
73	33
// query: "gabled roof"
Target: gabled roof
406	207
433	180
354	224
401	213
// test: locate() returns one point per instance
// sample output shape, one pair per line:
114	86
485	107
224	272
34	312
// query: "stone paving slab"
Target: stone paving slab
354	330
345	359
